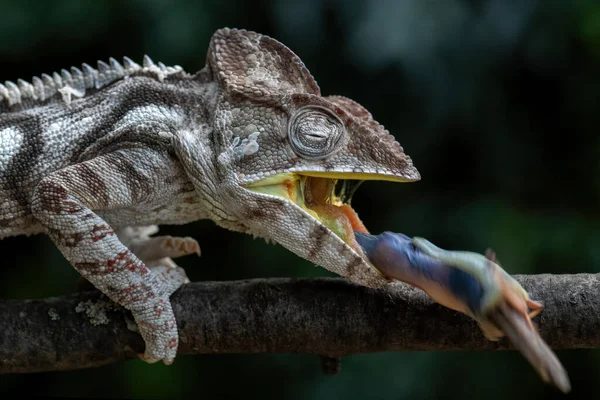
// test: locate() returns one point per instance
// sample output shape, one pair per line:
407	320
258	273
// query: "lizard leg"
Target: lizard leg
64	201
464	281
497	283
157	253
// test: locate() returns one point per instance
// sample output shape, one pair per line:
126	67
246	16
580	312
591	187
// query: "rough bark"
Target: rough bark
325	317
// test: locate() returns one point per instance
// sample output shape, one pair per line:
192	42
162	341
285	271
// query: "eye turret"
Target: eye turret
315	133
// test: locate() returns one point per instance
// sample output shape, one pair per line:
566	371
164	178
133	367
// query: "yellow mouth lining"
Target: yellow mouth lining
287	186
314	192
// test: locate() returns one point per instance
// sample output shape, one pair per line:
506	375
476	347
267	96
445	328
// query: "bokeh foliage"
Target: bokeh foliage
496	101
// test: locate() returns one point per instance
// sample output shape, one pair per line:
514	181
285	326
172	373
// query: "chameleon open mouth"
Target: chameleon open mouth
326	197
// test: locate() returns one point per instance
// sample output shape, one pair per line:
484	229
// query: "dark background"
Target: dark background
496	102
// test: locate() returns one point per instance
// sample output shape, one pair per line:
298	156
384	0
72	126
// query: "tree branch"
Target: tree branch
326	317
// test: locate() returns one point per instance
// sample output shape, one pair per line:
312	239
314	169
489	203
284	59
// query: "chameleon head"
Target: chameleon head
290	158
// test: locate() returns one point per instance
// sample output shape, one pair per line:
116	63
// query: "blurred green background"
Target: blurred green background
496	102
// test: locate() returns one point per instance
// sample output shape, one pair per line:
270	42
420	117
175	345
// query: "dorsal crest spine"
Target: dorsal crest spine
74	83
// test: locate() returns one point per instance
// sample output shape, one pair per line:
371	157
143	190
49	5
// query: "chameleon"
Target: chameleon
98	158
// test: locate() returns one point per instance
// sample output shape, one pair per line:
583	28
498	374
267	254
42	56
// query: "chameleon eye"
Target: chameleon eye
315	133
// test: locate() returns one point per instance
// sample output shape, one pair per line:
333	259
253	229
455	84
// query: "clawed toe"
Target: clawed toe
177	246
151	249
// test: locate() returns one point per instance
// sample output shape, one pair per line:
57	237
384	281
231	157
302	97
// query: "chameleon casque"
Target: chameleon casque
96	158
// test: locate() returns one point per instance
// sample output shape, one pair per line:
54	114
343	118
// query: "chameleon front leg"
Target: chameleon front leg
64	203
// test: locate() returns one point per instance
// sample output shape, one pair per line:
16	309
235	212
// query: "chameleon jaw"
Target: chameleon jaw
324	198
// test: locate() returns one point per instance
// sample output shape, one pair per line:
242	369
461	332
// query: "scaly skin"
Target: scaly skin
92	157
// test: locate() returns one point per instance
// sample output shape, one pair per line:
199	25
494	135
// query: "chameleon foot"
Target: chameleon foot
169	273
156	321
150	249
158	327
176	246
161	343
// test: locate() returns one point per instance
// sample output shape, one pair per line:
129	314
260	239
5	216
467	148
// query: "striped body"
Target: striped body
90	158
39	138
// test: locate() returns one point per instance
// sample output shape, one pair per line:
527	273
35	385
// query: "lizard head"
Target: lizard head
291	158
